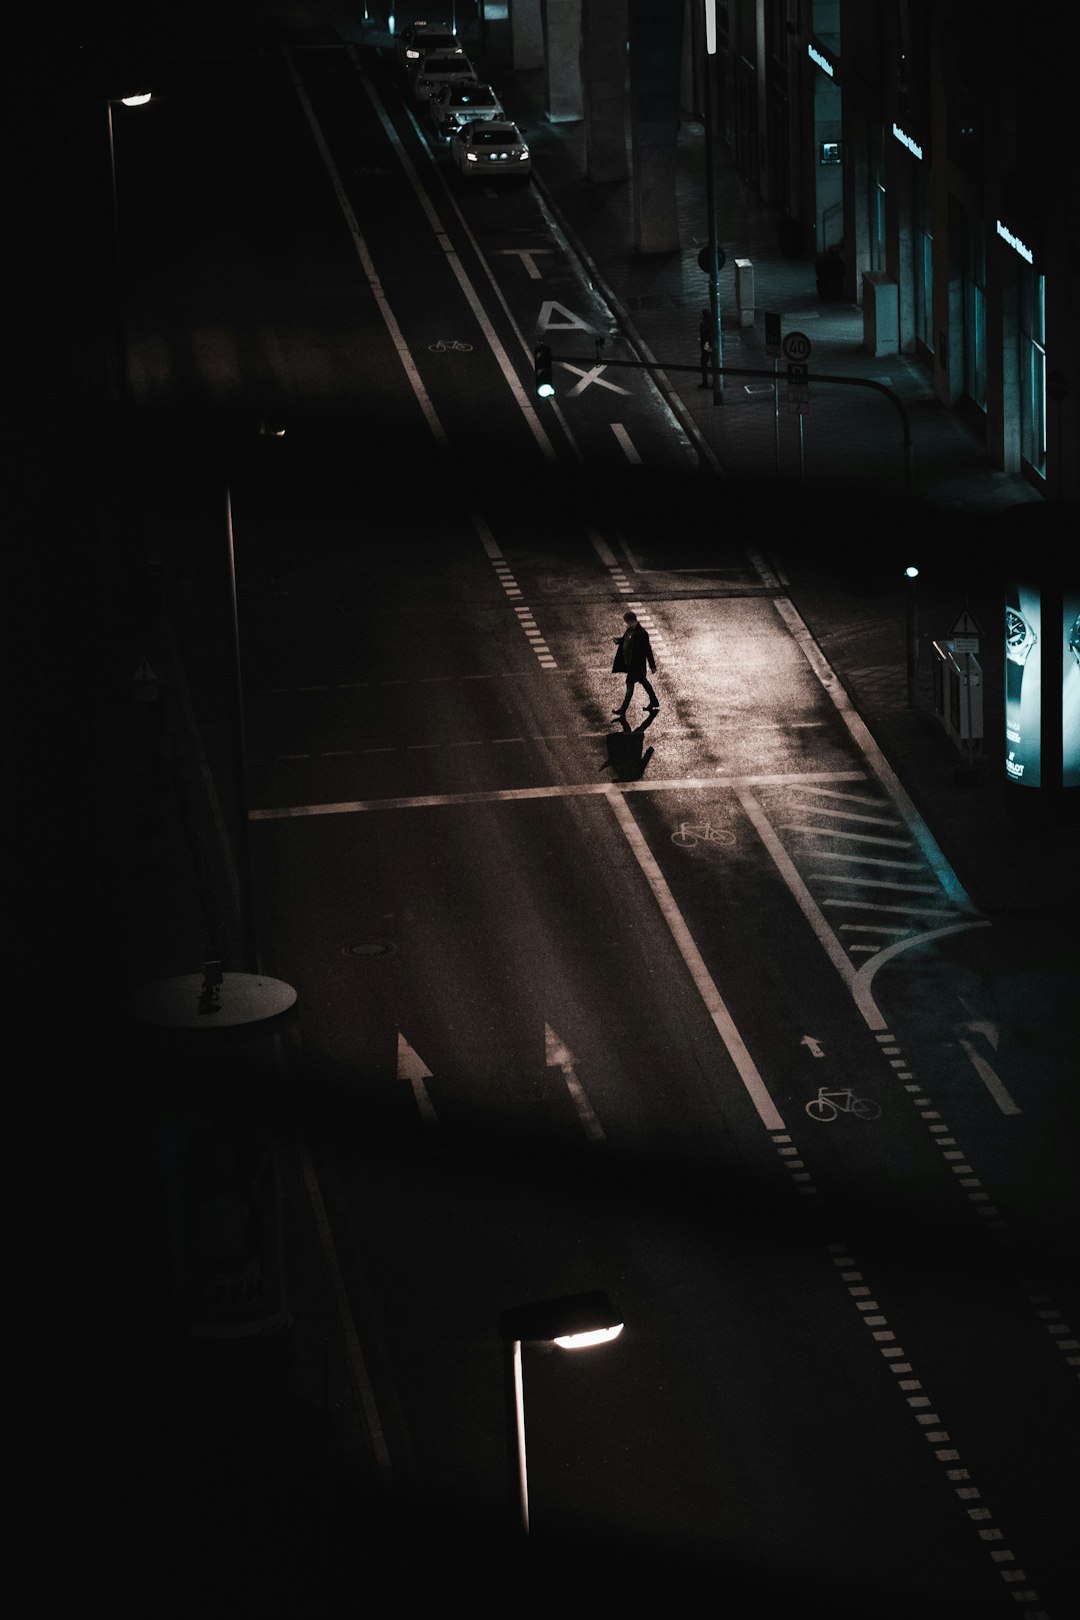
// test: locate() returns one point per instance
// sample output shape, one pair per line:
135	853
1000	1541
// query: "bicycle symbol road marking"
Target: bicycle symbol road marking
449	346
828	1104
690	834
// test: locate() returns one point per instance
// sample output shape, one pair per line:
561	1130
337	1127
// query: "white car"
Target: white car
492	149
438	68
459	102
419	37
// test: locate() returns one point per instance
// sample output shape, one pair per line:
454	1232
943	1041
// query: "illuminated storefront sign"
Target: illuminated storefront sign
1023	684
1070	691
907	140
1015	243
822	61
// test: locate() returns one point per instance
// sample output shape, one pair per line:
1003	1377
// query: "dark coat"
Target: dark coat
633	651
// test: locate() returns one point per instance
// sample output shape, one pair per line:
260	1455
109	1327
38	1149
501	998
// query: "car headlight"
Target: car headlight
470	157
523	155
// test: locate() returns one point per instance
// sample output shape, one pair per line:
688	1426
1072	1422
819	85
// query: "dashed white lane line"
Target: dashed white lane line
504	575
919	1404
1060	1331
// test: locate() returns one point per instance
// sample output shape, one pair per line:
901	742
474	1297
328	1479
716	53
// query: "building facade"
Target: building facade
923	150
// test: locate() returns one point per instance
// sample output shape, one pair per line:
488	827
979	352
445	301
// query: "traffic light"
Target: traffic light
542	359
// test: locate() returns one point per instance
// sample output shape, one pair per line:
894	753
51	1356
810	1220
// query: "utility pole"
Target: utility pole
710	201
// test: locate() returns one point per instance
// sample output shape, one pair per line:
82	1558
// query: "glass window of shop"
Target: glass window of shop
974	307
1033	370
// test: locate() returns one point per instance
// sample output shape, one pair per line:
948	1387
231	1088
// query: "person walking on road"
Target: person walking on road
633	652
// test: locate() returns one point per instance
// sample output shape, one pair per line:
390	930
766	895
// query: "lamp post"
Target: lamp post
911	574
137	100
575	1322
249	934
713	251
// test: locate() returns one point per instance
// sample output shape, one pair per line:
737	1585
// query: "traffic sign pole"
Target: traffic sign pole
714	246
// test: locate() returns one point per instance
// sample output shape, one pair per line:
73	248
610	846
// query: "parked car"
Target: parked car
494	149
459	102
438	68
419	37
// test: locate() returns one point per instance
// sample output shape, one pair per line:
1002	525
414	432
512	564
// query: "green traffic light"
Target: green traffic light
545	388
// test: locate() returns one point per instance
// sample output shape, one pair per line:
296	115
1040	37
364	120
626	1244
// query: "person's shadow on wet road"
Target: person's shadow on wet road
626	753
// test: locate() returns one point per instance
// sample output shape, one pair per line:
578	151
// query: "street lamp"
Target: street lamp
137	99
575	1322
911	574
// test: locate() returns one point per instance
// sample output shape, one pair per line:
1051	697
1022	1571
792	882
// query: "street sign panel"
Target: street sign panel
966	624
796	346
772	336
798	390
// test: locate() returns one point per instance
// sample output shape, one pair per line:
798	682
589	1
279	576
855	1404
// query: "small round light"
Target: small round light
911	573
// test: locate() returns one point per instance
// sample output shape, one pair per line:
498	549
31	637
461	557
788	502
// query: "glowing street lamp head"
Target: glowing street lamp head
582	1341
136	101
911	573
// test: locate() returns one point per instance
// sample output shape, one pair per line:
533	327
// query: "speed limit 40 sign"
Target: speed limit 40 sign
796	348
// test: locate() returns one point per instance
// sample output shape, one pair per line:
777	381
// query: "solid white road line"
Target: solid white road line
557	1055
570	790
710	995
990	1079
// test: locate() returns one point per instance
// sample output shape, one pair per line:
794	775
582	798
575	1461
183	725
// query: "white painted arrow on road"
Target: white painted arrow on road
411	1067
559	1056
812	1045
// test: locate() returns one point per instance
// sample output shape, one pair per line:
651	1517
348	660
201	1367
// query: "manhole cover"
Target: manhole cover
376	949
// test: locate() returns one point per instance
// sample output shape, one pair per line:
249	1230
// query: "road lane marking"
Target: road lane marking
990	1079
870	751
354	1355
797	888
587	378
852	837
714	1003
919	1403
557	1055
472	298
510	585
411	1067
627	443
527	257
397	337
570	790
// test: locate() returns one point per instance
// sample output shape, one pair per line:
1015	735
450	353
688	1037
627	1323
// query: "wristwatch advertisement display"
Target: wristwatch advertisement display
1023	684
1070	691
